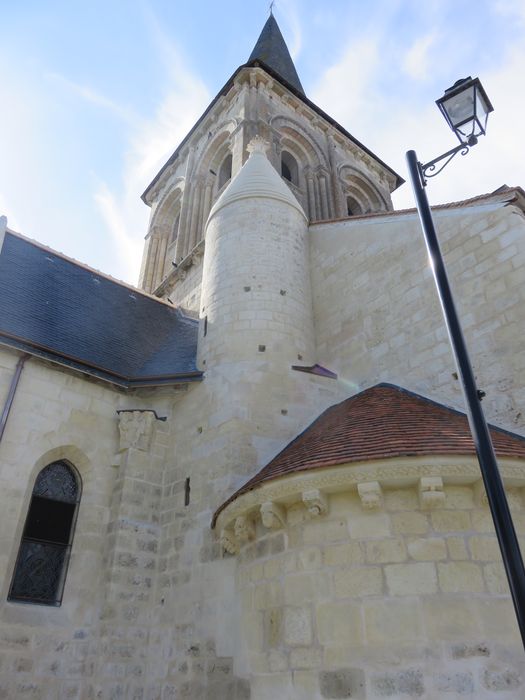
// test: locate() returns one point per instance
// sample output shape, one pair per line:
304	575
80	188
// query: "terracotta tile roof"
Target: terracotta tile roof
381	422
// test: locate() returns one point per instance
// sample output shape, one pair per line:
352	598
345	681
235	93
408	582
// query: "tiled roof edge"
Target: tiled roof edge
83	367
248	486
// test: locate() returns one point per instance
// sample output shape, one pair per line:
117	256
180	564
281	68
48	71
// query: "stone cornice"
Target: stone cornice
430	476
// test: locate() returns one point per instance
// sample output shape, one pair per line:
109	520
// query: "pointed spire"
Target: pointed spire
271	50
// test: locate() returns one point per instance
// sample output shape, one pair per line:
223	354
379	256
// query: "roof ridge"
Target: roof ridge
426	399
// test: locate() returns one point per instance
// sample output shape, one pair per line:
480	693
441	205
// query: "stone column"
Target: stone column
324	196
181	248
149	277
161	259
194	221
311	197
207	204
318	209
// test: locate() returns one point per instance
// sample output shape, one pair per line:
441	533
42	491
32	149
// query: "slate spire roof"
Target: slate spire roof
378	423
271	50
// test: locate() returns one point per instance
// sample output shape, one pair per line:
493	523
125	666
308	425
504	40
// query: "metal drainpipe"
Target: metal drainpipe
11	394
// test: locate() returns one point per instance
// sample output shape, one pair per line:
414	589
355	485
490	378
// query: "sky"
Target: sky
96	96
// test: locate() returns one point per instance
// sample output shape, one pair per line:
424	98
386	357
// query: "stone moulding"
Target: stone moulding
273	515
244	529
370	494
431	494
228	541
136	428
316	502
268	503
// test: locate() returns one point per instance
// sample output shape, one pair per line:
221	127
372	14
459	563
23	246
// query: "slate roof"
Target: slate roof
380	422
58	309
271	49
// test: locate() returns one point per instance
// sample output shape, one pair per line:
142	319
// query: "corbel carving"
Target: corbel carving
273	515
480	495
370	494
315	502
136	429
244	529
431	494
228	542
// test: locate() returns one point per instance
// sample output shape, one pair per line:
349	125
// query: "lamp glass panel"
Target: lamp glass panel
460	107
482	111
469	128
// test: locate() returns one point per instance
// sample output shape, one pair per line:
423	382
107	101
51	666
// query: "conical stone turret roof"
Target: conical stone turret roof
257	178
271	50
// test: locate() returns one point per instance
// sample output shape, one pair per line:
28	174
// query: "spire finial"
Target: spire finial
271	7
258	145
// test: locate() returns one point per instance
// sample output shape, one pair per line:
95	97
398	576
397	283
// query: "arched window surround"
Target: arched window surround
45	547
225	171
289	168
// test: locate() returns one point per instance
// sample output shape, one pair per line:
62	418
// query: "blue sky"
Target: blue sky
95	97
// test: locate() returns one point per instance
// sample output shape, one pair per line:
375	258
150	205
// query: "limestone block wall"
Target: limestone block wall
377	315
390	596
184	287
243	301
95	644
54	416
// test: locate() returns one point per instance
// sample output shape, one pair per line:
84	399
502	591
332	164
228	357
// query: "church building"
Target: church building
251	477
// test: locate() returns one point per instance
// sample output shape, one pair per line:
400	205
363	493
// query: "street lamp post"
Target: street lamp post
466	108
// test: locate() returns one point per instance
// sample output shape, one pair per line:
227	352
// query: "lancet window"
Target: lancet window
43	556
289	168
225	171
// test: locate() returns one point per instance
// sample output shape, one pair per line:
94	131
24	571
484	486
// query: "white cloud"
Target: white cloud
416	60
93	97
343	90
350	91
290	14
117	221
151	143
514	9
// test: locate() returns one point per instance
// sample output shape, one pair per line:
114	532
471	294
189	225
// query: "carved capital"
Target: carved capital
315	502
228	542
273	515
431	494
244	529
370	494
136	429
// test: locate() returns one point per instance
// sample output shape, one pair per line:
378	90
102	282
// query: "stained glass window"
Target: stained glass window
43	556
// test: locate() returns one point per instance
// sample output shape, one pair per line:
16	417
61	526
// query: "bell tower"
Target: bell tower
329	172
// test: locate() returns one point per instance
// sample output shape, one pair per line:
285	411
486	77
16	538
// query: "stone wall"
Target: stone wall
393	601
377	314
97	640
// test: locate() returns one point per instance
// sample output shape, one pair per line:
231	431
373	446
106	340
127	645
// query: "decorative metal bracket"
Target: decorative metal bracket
428	170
